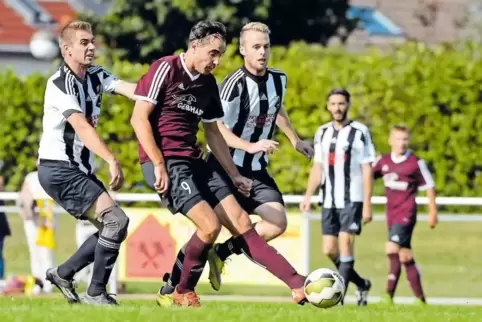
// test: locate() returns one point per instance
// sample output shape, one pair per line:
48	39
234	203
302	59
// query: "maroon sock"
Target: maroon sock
195	257
413	276
394	270
258	251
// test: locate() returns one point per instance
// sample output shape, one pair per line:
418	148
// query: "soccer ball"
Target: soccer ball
324	288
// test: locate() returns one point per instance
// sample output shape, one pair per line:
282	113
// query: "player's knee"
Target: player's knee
211	231
391	248
243	223
405	255
115	222
330	250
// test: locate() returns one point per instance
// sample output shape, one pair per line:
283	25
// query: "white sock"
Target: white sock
46	256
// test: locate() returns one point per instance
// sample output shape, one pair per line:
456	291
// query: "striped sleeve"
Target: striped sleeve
62	94
369	154
424	177
318	144
151	84
230	92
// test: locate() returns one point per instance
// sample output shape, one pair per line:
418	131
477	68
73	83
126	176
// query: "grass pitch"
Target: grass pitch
40	309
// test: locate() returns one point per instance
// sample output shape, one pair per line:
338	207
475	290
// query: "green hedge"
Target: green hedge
436	92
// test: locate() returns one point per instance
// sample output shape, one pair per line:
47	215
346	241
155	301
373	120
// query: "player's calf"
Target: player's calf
115	225
413	273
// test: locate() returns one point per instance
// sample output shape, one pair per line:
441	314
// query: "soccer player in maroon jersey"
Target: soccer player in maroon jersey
403	174
175	95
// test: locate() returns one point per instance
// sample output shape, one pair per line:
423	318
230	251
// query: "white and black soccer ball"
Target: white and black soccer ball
324	288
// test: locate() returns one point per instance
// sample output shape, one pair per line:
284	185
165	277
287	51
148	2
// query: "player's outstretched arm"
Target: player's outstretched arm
126	89
220	150
367	174
233	141
284	123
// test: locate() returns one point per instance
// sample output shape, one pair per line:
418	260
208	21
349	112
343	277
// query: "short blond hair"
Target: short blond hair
67	31
254	26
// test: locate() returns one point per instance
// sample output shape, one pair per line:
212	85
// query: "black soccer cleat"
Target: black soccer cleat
67	287
102	299
361	293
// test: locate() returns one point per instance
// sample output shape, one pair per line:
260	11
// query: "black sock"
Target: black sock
336	261
350	275
106	253
227	248
81	258
177	268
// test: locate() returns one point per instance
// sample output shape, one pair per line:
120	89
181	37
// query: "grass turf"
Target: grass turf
447	257
40	309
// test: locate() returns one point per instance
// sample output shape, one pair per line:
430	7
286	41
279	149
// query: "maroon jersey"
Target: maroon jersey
402	178
182	100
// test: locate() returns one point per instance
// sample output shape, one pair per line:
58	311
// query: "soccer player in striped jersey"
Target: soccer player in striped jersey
403	174
72	105
343	156
251	98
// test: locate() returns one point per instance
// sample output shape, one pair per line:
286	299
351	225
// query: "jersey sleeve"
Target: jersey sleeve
154	82
377	167
423	176
109	81
368	148
214	112
230	94
318	145
62	95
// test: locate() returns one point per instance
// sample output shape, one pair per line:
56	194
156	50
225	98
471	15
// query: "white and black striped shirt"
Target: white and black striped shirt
66	94
342	153
251	104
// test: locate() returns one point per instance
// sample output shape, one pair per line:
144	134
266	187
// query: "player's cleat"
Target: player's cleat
164	295
102	299
299	296
185	300
386	299
420	302
164	300
216	267
361	294
67	287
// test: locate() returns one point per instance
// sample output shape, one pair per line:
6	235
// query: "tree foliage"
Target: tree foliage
142	31
436	92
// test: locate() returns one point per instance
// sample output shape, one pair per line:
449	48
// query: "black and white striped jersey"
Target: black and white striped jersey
251	104
65	94
342	153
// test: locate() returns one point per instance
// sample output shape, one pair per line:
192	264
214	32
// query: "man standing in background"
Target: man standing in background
4	231
36	210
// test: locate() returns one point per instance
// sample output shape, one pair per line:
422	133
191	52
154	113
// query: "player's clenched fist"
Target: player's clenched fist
162	179
243	185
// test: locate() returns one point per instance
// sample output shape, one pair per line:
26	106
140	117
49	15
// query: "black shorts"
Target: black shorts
347	220
401	234
191	181
264	188
68	186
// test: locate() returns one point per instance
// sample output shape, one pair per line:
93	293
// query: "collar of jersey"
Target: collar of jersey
257	79
400	159
65	69
335	129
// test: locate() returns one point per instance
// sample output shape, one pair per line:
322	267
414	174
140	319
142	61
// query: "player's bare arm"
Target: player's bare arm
367	192
314	181
233	141
220	150
94	143
432	208
143	129
126	89
284	123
